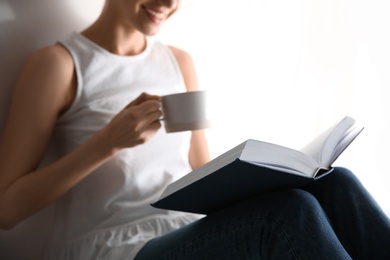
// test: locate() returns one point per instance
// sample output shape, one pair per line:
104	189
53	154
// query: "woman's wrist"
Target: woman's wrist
102	141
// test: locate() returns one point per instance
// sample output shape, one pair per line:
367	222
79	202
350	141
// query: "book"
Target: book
254	167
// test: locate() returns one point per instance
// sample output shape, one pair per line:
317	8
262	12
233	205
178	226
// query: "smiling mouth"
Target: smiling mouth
155	16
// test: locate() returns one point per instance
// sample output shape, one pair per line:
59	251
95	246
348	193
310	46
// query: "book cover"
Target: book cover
228	185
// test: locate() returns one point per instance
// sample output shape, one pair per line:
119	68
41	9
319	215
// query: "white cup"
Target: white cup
185	111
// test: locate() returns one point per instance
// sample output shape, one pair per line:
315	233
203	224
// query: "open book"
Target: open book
255	167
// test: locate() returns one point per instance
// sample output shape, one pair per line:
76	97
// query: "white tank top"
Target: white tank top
110	209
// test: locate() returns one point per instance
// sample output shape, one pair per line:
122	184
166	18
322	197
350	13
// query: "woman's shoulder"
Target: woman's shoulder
187	67
180	54
51	62
53	56
50	72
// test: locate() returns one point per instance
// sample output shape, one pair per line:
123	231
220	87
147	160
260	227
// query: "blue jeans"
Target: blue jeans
332	218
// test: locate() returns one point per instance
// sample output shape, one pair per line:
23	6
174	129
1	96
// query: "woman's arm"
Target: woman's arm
199	153
45	89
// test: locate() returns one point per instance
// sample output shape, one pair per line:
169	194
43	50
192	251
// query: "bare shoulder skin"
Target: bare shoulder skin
199	153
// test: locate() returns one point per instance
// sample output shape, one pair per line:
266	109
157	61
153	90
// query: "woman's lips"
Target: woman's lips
155	16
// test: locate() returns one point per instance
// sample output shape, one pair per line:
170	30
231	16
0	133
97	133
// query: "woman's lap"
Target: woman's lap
289	224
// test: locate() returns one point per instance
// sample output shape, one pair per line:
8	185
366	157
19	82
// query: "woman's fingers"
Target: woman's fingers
136	123
146	117
142	98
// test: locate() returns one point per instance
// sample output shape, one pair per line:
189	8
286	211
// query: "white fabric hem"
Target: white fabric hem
123	241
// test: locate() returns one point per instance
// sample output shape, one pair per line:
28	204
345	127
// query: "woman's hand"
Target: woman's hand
137	123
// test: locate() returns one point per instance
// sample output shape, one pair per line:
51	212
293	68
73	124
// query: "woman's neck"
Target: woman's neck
116	37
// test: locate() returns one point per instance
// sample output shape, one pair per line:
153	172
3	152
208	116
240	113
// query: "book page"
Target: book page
331	143
314	148
339	140
278	157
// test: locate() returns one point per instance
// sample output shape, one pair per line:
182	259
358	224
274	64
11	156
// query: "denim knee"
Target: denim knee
343	173
294	202
342	177
296	197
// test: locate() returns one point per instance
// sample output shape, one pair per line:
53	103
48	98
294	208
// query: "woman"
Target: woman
86	94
